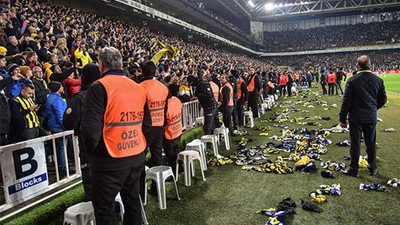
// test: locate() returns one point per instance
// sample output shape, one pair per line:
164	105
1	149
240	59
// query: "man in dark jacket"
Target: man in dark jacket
323	83
72	121
5	113
205	96
243	94
41	90
339	77
111	174
364	95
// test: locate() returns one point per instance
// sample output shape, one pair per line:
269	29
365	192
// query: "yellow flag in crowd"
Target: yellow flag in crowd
170	51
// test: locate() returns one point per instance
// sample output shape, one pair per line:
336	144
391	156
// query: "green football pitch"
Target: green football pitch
392	82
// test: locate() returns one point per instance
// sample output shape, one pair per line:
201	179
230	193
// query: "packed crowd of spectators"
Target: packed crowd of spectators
43	46
381	60
333	37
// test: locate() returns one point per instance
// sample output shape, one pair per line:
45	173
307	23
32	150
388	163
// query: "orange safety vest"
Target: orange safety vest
331	78
252	84
239	89
283	79
123	118
214	88
173	129
157	93
230	103
297	76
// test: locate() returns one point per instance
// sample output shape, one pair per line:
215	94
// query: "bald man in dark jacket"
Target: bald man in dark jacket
364	95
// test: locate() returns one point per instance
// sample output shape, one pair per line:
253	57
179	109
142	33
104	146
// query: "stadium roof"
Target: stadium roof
267	9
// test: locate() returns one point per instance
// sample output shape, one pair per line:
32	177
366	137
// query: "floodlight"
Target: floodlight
269	6
251	3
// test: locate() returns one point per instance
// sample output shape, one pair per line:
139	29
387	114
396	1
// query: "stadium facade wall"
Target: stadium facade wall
330	21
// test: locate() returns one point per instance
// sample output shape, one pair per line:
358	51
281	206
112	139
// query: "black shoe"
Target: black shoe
373	172
349	173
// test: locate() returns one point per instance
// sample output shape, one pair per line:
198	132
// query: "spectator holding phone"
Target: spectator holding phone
24	120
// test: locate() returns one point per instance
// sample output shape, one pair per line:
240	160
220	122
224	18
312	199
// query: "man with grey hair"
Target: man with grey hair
363	96
41	90
115	125
12	46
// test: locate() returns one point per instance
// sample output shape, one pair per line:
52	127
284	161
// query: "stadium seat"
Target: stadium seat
159	174
187	157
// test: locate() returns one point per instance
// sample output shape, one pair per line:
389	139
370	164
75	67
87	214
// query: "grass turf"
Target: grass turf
233	196
392	82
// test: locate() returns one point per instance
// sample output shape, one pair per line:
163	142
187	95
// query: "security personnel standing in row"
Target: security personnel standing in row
115	125
204	93
226	104
234	85
242	96
157	94
253	86
173	130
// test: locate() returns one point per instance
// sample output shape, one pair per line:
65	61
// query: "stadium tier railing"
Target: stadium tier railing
28	173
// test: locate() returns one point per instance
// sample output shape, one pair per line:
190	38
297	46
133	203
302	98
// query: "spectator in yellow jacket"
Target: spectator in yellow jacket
82	57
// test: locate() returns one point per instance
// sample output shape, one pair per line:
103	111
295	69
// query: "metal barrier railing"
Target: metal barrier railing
27	171
190	112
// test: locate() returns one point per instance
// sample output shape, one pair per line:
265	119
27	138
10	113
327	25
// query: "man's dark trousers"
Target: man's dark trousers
235	116
369	131
239	108
107	184
171	151
155	145
339	86
324	92
253	103
209	123
227	118
331	88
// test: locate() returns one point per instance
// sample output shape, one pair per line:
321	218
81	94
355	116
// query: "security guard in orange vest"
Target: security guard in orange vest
157	94
253	86
242	94
226	104
331	77
115	125
173	130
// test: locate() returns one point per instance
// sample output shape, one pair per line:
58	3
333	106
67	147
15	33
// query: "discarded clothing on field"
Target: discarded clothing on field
394	182
344	143
333	165
310	206
374	186
276	216
327	174
333	189
389	130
